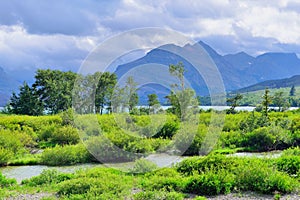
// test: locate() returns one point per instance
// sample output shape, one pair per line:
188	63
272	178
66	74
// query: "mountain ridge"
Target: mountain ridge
7	86
271	84
238	70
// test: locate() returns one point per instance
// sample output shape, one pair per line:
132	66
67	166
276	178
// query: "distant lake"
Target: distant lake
239	108
219	108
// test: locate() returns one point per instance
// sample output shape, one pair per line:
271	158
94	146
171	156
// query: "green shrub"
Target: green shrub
46	132
6	182
47	177
195	146
25	159
260	139
5	155
258	176
168	130
105	151
158	195
211	183
167	179
201	164
231	139
188	139
295	151
143	165
268	138
77	186
67	117
65	135
10	140
105	185
67	155
288	164
140	146
200	198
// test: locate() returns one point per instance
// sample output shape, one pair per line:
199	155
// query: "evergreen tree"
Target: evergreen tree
26	102
234	102
292	91
267	100
152	101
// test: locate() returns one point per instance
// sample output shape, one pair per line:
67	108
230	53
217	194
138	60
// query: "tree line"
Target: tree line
54	91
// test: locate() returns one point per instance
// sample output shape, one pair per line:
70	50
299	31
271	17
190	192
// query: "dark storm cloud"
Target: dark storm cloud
70	17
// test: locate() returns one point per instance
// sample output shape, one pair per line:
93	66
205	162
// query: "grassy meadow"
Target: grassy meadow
63	139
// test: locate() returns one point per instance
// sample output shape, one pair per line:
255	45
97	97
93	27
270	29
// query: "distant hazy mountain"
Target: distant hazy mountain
7	85
238	70
280	83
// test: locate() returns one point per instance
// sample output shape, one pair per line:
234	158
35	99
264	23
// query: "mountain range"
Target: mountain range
238	70
279	83
7	86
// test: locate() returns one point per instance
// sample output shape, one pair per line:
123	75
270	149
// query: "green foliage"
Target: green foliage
169	129
59	135
158	195
97	184
184	103
14	122
26	102
104	91
293	90
14	141
5	155
183	100
130	92
232	139
152	101
191	137
295	151
234	102
167	179
280	101
267	138
289	164
200	198
65	135
26	159
201	164
66	155
47	177
6	182
54	89
258	176
209	175
67	117
178	71
105	151
211	183
143	165
267	100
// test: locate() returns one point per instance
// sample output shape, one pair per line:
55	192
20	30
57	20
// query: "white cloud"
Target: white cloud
19	49
61	34
271	22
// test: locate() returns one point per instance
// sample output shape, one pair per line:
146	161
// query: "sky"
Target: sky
59	34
